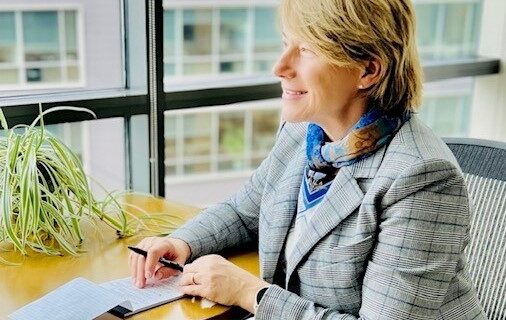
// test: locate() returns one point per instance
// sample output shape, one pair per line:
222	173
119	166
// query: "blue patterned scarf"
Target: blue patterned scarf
372	131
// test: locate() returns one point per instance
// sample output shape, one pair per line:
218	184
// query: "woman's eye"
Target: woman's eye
306	51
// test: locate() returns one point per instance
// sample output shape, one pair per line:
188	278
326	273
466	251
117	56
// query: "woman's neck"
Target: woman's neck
337	126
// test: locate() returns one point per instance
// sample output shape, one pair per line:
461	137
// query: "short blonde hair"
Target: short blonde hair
347	32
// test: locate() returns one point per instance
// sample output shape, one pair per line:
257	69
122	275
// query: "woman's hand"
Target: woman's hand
144	268
214	278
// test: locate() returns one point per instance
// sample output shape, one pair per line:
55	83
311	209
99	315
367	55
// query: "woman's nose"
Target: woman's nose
283	67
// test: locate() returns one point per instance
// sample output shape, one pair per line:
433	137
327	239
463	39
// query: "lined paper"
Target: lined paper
79	299
153	294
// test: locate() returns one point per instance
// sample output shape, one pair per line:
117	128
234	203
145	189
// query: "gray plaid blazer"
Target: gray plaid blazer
387	242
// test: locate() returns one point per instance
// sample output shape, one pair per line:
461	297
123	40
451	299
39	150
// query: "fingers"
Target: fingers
154	253
164	272
137	263
190	279
194	290
140	280
143	268
189	284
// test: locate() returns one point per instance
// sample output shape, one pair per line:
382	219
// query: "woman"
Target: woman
359	211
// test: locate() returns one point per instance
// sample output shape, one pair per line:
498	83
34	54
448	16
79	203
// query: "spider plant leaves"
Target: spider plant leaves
6	208
3	121
46	196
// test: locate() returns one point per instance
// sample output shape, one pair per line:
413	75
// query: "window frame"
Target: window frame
21	64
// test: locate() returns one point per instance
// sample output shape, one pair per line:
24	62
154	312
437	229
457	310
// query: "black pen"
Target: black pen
162	260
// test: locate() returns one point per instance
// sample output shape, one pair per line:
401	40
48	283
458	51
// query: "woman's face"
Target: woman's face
315	90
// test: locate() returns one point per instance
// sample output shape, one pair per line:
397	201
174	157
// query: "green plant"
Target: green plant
45	194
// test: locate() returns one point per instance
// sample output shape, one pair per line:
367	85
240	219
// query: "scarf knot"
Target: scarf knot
373	130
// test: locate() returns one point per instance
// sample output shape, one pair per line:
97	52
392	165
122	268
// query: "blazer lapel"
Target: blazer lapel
343	197
279	217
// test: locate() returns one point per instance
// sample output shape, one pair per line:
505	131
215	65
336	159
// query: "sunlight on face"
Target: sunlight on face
313	89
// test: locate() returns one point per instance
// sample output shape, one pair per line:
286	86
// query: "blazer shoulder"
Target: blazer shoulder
416	143
291	135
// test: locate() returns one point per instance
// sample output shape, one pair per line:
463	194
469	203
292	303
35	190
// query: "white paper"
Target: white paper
206	304
78	299
153	294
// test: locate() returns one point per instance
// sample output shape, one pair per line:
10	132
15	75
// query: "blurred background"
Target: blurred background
217	107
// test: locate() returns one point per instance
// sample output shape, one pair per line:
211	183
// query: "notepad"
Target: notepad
137	300
81	299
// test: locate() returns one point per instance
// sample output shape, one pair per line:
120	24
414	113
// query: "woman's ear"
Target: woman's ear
370	73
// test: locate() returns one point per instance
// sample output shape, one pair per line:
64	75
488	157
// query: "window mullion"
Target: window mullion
20	47
62	45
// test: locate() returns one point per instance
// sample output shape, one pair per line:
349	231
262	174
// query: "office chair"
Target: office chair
483	163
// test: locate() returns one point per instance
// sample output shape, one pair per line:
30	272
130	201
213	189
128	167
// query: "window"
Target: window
207	42
447	29
446	107
221	139
49	46
267	44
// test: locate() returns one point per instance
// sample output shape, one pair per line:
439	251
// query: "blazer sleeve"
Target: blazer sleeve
231	223
423	225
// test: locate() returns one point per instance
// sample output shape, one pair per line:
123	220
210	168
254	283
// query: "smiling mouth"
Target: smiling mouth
294	93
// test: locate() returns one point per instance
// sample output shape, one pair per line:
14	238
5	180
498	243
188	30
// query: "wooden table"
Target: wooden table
105	260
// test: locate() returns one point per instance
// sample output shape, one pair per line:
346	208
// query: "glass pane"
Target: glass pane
197	168
231	135
475	28
170	136
232	165
216	146
135	41
222	40
170	170
267	38
7	37
8	76
232	30
197	134
99	145
426	16
263	66
49	74
197	31
73	73
169	69
232	67
139	151
447	107
71	35
455	22
197	68
40	34
169	33
265	126
41	37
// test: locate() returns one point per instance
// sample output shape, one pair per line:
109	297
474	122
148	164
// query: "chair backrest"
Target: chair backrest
484	165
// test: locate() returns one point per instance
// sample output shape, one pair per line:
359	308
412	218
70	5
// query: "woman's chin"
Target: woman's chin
290	114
